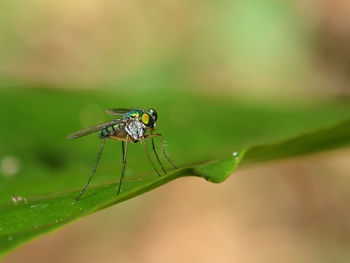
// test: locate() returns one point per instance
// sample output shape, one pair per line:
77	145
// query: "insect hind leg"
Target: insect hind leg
93	171
124	150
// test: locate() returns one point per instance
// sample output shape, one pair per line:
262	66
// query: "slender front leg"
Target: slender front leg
93	171
124	149
163	149
142	140
155	153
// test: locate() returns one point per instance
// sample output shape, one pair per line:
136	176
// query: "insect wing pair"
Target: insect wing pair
115	112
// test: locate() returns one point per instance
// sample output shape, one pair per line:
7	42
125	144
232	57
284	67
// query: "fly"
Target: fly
129	126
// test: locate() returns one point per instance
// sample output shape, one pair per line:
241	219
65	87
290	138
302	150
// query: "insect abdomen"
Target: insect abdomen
108	131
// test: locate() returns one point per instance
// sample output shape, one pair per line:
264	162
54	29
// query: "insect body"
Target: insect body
130	125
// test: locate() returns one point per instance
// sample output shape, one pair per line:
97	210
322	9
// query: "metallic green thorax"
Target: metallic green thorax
136	113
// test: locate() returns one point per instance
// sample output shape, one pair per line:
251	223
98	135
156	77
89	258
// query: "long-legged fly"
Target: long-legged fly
129	126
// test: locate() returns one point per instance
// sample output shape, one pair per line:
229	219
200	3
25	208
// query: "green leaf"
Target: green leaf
207	137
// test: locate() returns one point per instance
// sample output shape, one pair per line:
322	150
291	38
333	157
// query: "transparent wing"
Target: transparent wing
117	112
92	129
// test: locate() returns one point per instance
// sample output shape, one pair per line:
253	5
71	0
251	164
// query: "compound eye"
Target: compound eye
147	120
153	113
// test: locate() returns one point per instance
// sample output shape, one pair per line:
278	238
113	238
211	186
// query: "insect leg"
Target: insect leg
93	171
155	153
149	158
124	149
163	149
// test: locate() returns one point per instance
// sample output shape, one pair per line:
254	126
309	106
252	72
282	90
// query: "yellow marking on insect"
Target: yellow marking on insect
145	118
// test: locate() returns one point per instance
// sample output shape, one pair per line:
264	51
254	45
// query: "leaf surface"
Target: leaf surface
206	137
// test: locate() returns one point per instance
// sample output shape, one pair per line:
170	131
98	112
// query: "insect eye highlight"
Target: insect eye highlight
147	120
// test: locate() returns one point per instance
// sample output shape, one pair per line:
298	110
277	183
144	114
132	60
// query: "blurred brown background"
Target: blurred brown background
290	211
256	48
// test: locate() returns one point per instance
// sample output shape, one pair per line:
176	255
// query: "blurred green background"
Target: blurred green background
61	61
